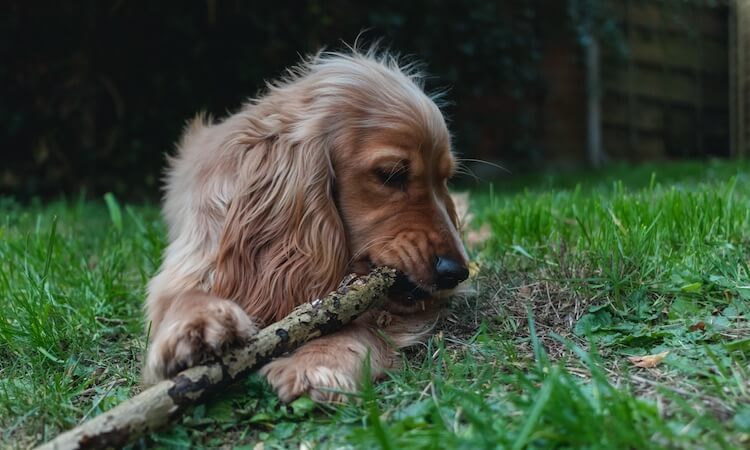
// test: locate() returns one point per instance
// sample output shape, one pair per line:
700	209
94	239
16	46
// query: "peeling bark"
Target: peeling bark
166	401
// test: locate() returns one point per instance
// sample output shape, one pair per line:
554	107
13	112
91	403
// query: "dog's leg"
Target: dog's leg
186	322
330	367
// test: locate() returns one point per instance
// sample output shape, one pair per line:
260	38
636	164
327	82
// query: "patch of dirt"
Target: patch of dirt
503	301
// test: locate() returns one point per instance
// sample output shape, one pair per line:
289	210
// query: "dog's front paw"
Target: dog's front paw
189	337
320	377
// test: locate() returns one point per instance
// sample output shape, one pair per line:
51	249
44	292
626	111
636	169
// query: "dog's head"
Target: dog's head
392	160
392	195
346	165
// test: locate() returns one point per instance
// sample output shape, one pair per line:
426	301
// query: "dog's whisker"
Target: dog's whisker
481	161
385	249
369	245
463	170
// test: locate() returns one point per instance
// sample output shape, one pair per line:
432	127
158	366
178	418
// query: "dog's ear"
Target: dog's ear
283	242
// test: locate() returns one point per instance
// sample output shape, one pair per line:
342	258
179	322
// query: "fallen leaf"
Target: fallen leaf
524	291
474	268
648	361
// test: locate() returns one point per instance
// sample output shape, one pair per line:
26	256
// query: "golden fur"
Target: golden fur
274	205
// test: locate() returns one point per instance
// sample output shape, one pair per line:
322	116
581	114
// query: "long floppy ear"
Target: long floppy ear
283	242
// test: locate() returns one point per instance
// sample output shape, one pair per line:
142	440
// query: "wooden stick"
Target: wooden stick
166	401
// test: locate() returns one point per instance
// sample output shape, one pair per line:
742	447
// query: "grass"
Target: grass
577	273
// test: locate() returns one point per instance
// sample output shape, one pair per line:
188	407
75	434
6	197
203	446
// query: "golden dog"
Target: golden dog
341	165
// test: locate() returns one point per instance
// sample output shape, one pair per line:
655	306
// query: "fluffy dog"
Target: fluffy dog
340	165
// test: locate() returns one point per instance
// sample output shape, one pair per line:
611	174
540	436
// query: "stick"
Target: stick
165	401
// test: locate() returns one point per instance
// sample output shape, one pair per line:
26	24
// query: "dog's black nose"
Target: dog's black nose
449	272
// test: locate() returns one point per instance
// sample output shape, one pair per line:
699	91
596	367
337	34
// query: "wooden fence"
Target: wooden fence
739	69
668	97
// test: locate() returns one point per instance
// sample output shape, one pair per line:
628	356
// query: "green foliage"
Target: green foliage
638	244
89	102
71	327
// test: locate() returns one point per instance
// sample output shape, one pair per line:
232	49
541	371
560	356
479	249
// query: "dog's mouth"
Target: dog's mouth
404	288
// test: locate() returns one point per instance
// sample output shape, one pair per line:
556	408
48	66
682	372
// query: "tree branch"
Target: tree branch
165	402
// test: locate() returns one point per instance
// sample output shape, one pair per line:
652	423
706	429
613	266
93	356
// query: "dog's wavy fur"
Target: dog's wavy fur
265	211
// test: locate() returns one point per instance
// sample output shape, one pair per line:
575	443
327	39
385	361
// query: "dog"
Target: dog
339	166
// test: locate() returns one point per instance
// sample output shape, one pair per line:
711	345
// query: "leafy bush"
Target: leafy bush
96	94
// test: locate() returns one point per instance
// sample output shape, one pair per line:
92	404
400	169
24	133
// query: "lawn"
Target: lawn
572	275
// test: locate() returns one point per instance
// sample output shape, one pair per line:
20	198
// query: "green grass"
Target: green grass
580	271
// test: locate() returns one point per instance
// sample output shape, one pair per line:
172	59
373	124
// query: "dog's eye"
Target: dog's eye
396	178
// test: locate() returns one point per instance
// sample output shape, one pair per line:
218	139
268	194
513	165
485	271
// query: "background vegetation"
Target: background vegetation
96	93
